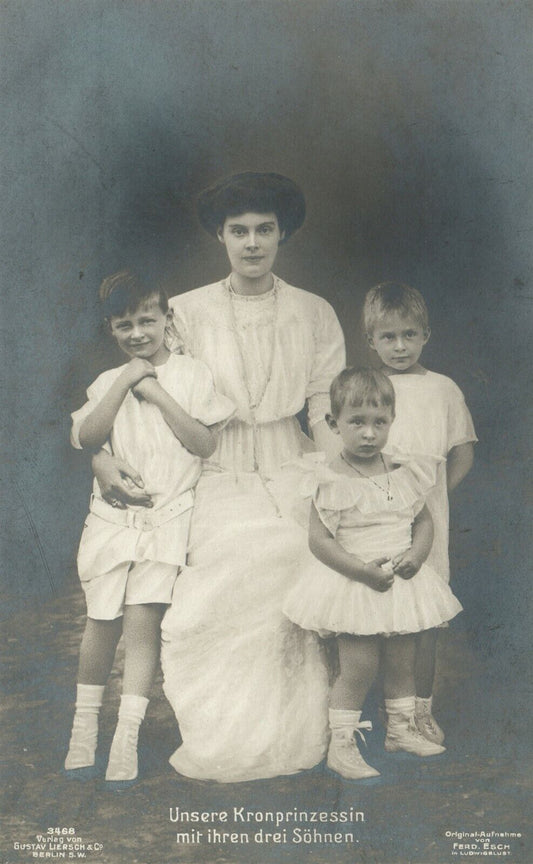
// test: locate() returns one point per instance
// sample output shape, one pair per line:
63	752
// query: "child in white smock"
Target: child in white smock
157	412
432	420
371	529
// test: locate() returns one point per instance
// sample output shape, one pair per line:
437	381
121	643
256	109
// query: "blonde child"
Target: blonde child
431	420
370	527
155	412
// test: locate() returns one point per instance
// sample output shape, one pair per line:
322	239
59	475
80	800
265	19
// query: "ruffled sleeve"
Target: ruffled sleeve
459	420
409	486
330	491
310	471
328	361
330	518
173	337
416	477
177	335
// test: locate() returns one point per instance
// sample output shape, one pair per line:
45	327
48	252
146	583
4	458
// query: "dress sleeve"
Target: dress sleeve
206	405
177	335
460	424
414	481
95	392
173	338
330	518
334	494
329	360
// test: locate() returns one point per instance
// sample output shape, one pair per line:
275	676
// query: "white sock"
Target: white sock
132	708
89	698
405	705
84	735
343	718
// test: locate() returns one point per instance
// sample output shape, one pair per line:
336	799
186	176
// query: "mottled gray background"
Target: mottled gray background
408	124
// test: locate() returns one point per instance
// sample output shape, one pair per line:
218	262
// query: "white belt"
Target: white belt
145	519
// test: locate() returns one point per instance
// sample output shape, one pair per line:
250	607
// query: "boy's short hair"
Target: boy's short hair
123	292
358	386
390	297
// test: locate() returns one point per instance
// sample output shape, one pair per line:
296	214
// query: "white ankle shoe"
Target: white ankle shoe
83	739
403	734
344	756
428	727
123	763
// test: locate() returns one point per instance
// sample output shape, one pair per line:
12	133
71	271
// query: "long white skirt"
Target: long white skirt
248	687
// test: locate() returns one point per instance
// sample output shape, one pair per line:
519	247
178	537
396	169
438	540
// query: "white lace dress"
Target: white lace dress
248	687
371	518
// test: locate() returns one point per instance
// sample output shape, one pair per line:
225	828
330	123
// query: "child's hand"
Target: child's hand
376	576
138	369
145	388
406	564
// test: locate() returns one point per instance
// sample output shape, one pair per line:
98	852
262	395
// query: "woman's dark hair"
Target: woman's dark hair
360	386
252	192
123	292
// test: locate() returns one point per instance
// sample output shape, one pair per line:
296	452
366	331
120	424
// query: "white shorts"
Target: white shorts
129	584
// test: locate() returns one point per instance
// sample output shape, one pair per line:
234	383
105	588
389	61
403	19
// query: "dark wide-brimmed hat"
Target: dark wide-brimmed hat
252	192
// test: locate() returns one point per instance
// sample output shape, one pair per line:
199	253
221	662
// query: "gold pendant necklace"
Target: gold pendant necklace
387	491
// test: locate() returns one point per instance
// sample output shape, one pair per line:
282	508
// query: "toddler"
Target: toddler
369	525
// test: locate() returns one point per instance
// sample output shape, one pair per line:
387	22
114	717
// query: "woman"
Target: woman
248	687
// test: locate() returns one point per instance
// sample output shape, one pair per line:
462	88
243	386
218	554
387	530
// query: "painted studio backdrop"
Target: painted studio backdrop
408	125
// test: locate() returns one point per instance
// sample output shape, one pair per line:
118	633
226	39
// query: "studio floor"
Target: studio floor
413	814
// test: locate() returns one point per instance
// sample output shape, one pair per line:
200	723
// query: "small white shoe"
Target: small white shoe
123	762
403	734
83	739
428	727
345	758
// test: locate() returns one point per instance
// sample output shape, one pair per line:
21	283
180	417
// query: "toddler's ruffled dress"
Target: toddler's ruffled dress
371	518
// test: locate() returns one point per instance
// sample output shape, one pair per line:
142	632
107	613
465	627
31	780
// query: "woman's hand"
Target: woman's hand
407	564
376	576
119	483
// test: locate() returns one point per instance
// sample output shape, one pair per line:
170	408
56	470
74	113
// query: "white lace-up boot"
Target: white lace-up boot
344	756
402	731
84	735
123	764
426	722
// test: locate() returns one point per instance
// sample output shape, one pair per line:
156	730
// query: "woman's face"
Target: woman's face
251	241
